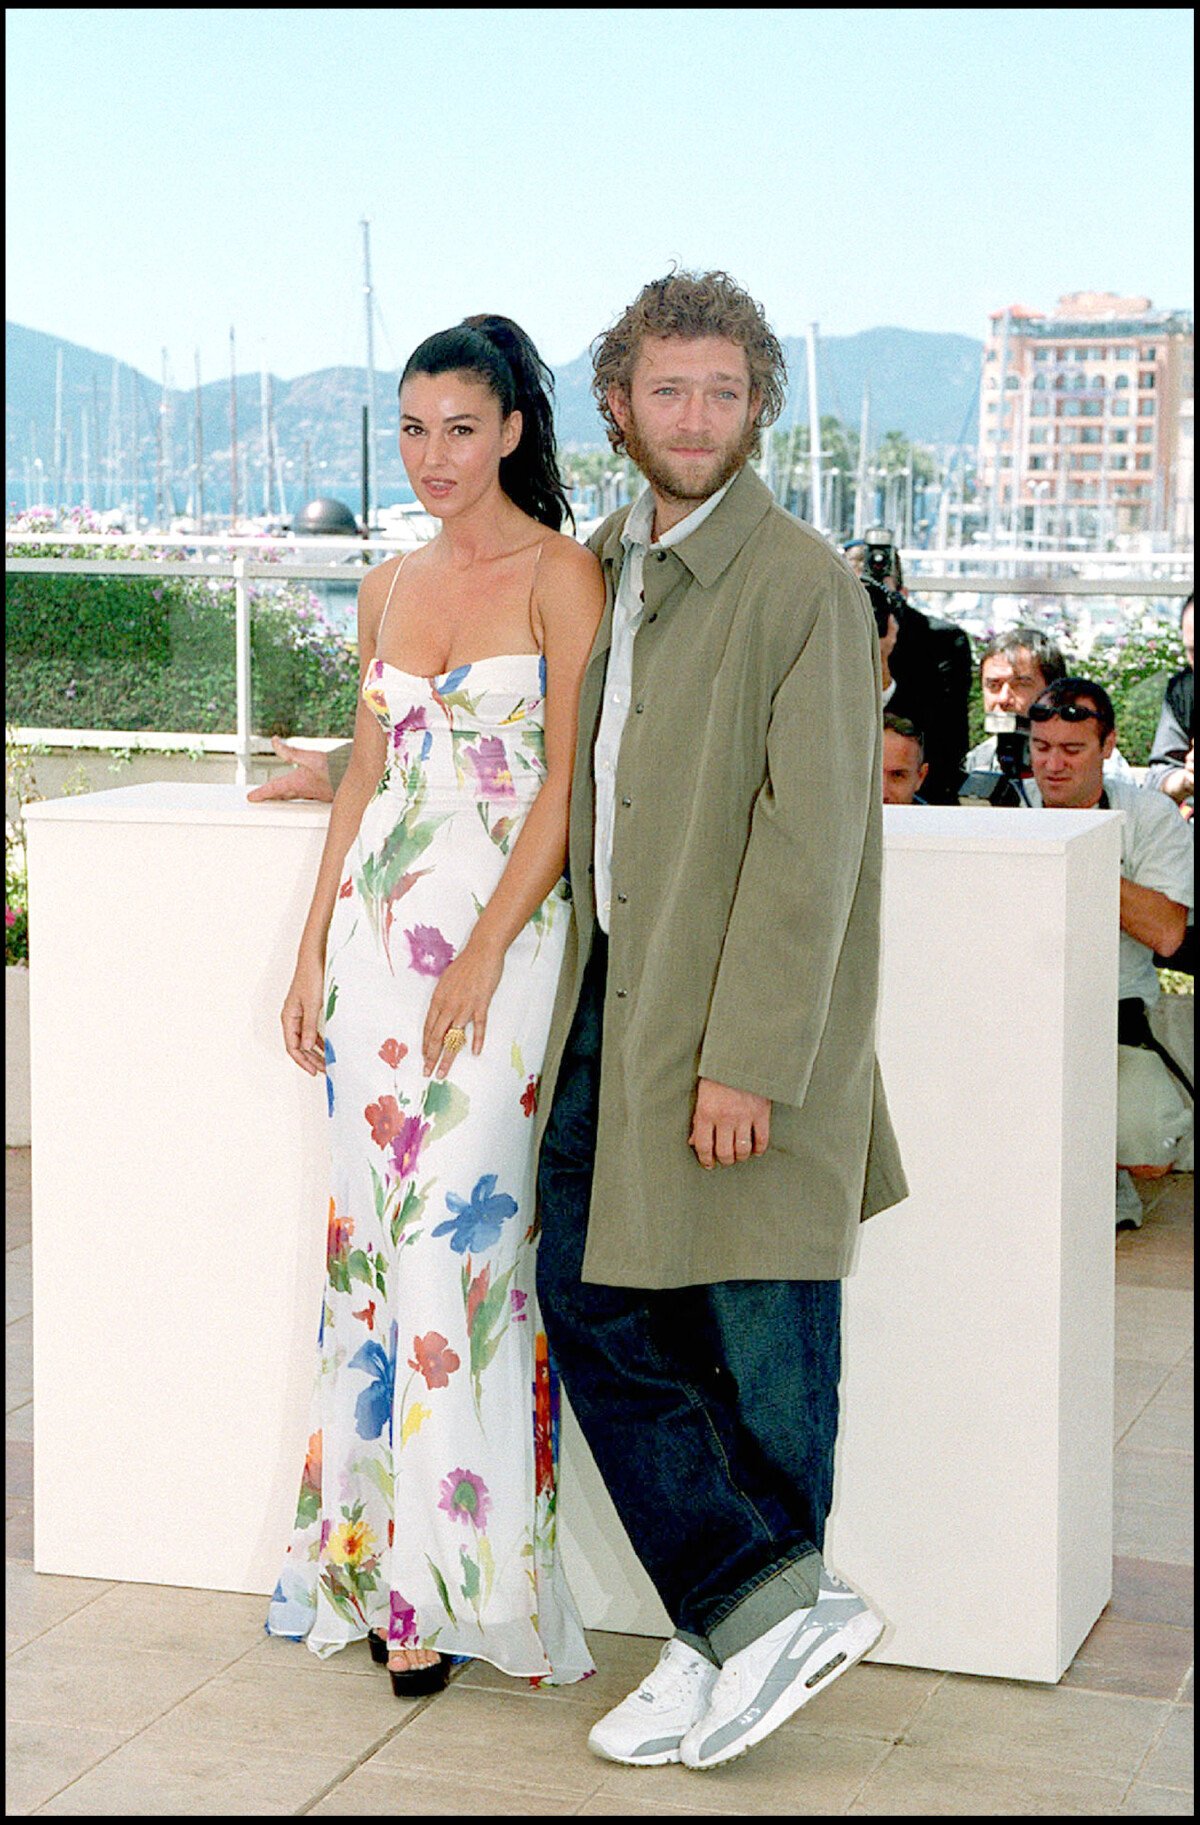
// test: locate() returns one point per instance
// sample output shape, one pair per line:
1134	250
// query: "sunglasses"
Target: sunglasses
1070	712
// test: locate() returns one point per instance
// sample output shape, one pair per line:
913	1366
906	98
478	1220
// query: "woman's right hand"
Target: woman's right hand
301	1012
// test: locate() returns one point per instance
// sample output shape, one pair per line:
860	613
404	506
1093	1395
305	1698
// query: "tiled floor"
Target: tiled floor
155	1702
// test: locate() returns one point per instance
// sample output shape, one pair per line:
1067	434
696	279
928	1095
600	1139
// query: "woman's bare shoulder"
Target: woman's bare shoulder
566	563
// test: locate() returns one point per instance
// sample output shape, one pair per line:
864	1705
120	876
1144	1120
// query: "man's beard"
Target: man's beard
669	480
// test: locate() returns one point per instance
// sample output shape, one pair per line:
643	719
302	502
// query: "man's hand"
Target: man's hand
728	1125
309	777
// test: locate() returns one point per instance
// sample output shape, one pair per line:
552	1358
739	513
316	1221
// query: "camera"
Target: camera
1000	786
879	558
884	602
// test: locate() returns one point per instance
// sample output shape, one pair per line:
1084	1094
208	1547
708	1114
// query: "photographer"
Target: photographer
1014	668
926	667
1071	735
904	763
1172	766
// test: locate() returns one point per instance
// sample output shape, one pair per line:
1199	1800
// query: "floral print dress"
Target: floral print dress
427	1501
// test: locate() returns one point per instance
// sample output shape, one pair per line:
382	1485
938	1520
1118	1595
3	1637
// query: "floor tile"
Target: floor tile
1148	1590
1158	1802
279	1713
293	1657
1152	1324
917	1781
18	1424
789	1774
165	1619
1134	1385
18	1363
1049	1728
122	1689
869	1700
35	1603
1149	1530
18	1282
43	1757
1162	1428
197	1782
17	1197
18	1469
1166	1479
18	1533
622	1662
1170	1762
1178	1391
395	1792
543	1744
1140	1659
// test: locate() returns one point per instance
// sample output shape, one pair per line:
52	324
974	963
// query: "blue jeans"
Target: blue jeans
711	1411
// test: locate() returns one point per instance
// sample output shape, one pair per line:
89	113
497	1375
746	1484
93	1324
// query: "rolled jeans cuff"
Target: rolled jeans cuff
795	1586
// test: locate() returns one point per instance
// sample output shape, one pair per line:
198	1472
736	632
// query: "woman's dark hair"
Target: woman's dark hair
499	352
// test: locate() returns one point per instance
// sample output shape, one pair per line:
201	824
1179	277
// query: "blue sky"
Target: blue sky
172	172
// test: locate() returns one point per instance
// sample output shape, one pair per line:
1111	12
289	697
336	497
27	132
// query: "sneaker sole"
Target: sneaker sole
841	1653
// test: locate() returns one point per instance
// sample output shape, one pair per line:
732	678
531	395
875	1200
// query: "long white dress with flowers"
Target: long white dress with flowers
427	1502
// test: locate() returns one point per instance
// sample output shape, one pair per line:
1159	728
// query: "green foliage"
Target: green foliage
20	788
89	652
1133	670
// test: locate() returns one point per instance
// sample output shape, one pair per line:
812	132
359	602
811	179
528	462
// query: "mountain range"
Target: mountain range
922	383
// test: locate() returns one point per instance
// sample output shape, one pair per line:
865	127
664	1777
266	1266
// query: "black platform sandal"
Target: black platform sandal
420	1682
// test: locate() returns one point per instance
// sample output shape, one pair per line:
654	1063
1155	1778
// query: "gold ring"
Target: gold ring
454	1039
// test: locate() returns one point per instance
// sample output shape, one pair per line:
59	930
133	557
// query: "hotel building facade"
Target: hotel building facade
1085	423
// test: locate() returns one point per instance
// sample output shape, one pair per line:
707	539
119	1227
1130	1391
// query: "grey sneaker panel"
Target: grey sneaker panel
831	1616
658	1745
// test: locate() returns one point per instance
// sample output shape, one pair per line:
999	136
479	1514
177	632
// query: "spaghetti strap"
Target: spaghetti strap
388	603
532	581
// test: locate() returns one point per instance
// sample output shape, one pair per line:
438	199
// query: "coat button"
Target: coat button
653	617
661	556
621	993
627	801
623	899
591	868
639	707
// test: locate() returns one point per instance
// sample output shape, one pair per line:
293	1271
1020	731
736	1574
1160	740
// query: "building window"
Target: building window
1098	354
1122	380
1038	408
1089	462
1091	434
1042	354
1087	408
1040	380
1146	382
1077	382
1123	354
1119	462
1120	437
1143	462
1145	408
1149	354
1120	408
1145	434
1039	435
1038	462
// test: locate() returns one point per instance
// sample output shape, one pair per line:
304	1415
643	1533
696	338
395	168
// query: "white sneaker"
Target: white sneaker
764	1684
646	1728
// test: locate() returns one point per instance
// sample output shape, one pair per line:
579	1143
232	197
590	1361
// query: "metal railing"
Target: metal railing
241	570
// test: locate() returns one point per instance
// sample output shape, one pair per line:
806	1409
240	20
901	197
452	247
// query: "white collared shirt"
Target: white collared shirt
618	678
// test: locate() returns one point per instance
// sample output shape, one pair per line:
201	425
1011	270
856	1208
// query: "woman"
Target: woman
430	956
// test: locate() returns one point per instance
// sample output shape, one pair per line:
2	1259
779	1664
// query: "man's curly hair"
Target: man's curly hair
690	305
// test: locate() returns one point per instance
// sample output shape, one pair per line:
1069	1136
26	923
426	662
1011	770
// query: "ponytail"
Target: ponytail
502	355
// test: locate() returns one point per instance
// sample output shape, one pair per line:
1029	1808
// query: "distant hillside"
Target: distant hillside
923	384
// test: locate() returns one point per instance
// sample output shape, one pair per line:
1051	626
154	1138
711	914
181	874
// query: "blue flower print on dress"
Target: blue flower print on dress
452	680
475	1226
373	1408
330	1059
541	674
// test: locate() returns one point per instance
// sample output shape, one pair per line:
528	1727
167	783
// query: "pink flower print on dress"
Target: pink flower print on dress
402	1621
385	1119
429	952
490	762
406	1148
392	1051
434	1358
465	1498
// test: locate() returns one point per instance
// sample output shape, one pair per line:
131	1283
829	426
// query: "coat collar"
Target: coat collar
717	541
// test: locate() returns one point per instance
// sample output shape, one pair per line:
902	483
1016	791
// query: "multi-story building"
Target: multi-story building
1085	421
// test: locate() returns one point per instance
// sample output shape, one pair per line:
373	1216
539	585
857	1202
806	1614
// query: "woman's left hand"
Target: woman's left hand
461	999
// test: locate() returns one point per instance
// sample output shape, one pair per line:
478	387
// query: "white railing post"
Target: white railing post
241	618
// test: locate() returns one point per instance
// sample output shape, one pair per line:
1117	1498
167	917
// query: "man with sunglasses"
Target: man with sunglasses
1072	733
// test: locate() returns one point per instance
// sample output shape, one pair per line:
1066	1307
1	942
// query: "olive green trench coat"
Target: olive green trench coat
744	931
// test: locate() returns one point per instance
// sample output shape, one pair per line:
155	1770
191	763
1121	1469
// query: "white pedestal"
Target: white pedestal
179	1196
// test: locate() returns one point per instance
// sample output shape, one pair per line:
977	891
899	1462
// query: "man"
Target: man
1172	766
926	664
904	763
712	1121
722	971
1014	668
1072	735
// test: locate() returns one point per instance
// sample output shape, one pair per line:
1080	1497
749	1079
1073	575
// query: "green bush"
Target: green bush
137	653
